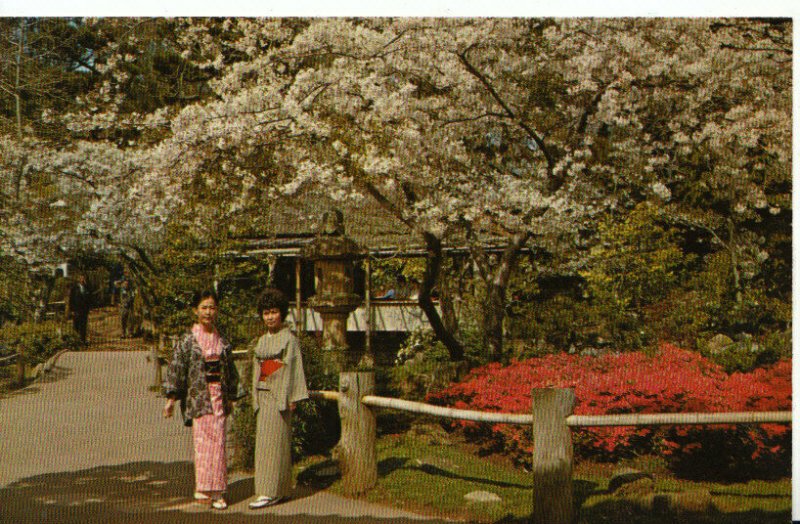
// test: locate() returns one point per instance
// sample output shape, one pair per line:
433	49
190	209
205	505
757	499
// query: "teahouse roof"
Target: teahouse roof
291	224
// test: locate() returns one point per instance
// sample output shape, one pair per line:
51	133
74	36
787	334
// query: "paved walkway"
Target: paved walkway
87	444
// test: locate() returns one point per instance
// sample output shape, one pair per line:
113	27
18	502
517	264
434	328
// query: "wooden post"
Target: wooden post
20	370
358	460
300	324
368	360
552	456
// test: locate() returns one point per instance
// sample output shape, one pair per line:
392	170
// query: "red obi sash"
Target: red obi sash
268	367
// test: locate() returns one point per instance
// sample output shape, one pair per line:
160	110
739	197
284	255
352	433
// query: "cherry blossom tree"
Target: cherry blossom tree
500	133
482	130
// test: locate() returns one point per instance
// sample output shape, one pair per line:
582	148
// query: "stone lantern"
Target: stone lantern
333	255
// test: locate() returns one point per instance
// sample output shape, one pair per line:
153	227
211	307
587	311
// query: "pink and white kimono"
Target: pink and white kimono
208	431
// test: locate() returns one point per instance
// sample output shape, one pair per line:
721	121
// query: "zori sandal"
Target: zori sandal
264	501
201	498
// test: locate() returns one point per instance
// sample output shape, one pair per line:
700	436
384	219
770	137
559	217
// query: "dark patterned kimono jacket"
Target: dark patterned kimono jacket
186	378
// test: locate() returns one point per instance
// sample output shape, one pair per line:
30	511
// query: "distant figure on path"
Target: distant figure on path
278	382
126	296
80	301
203	377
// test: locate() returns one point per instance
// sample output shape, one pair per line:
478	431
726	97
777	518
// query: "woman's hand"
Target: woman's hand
169	408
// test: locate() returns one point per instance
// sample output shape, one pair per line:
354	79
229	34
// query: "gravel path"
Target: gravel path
87	444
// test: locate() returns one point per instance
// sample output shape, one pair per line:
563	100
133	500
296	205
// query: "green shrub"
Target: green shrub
746	354
634	264
37	342
422	365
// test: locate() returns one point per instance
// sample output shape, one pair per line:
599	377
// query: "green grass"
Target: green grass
425	472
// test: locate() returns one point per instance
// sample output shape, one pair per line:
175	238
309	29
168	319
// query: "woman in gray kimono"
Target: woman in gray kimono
278	382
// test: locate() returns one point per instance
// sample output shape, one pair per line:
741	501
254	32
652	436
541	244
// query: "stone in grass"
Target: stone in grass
718	344
482	496
629	481
691	501
642	487
327	471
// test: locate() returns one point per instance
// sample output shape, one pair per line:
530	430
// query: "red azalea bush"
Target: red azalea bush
671	381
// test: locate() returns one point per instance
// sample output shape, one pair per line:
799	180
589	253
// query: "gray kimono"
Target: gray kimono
186	378
271	400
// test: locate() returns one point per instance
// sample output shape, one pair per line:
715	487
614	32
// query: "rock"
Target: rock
718	344
623	476
327	471
638	488
482	496
693	501
433	434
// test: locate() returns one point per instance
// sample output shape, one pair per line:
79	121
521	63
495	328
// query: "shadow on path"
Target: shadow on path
142	492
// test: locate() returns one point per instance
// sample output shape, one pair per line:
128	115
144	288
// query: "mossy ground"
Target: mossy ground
429	472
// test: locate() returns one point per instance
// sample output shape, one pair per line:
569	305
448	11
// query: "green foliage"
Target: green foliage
315	423
37	342
243	431
186	266
552	324
746	353
50	71
16	292
396	273
635	263
422	365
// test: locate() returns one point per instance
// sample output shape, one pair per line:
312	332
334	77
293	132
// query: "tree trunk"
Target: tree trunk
433	264
18	109
737	285
496	280
493	315
358	461
447	298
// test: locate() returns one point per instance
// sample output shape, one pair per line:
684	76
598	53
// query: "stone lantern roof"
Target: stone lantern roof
331	243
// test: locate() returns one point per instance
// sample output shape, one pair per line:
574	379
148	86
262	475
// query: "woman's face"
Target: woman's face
206	312
272	319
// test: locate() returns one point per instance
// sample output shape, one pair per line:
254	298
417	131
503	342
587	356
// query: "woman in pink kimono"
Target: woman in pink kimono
278	382
202	375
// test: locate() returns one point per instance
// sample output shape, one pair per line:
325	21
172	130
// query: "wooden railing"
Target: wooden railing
551	419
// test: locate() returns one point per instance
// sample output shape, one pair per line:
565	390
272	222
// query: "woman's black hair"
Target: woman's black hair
202	295
273	298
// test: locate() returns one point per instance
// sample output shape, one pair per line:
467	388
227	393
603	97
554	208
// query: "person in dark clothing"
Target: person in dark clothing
126	296
80	301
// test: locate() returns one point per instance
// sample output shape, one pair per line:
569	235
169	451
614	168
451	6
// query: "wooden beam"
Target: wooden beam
300	323
368	306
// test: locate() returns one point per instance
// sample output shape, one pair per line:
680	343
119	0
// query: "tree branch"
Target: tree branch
509	112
